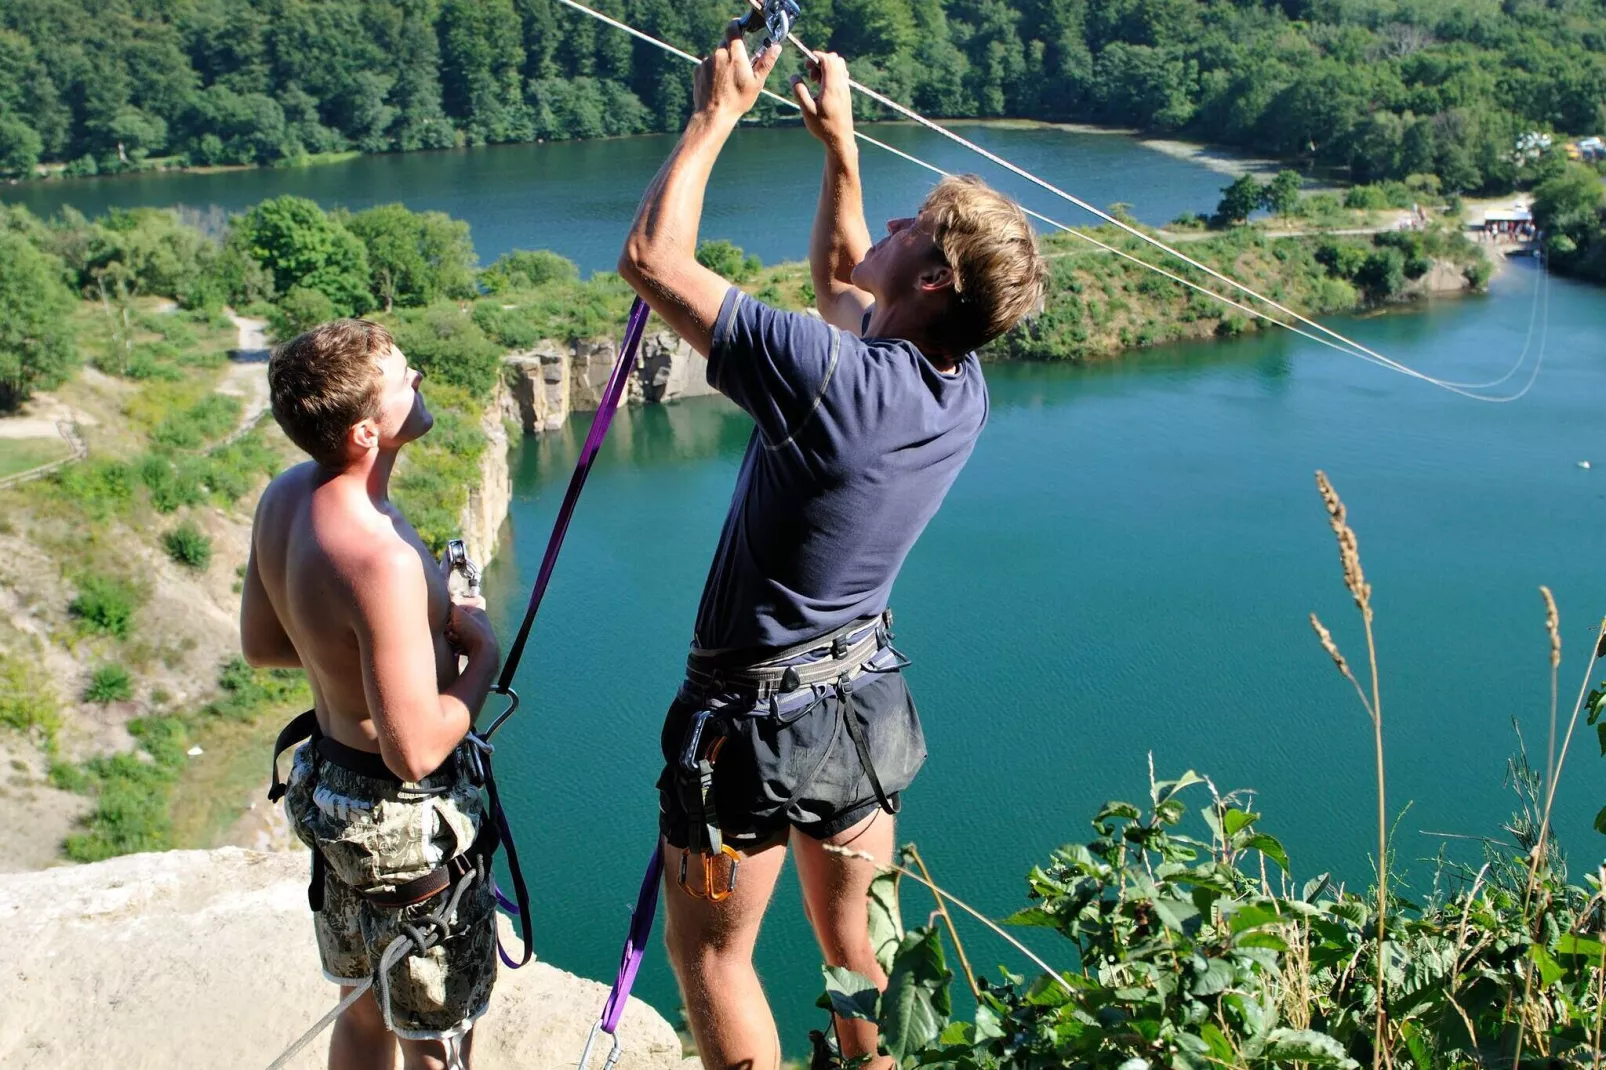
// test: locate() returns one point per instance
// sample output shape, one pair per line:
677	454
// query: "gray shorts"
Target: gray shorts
375	835
800	769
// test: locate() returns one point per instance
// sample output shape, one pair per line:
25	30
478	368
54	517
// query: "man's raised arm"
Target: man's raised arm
840	238
660	255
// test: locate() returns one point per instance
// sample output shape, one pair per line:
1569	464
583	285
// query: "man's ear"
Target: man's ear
937	277
364	435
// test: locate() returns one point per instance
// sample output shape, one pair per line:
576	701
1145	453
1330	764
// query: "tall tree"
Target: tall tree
36	340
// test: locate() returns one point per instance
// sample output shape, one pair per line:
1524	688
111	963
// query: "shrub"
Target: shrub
1365	197
26	701
728	260
210	418
110	683
189	546
299	310
451	348
510	327
131	811
245	689
523	269
105	605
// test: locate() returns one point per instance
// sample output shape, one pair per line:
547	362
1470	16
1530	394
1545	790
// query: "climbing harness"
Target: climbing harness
1332	340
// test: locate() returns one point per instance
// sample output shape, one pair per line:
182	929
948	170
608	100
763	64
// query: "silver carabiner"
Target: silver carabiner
585	1053
456	559
776	19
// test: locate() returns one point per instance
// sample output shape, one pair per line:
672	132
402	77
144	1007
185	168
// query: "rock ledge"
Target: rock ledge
206	959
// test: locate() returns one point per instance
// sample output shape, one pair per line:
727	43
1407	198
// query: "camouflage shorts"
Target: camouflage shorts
375	835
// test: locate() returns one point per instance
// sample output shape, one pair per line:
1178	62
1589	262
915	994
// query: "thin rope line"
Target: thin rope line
993	157
320	1025
1348	347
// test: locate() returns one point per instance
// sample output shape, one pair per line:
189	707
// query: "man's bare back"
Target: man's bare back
316	544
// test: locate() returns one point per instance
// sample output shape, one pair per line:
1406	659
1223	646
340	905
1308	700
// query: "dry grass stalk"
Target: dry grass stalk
890	867
942	908
1349	556
1537	855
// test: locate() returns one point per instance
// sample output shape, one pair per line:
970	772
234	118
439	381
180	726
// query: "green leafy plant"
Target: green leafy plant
109	683
105	604
189	546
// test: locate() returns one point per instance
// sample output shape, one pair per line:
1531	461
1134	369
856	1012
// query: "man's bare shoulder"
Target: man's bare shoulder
291	485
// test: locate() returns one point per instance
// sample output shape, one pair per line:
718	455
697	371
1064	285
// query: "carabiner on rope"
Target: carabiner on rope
585	1053
776	20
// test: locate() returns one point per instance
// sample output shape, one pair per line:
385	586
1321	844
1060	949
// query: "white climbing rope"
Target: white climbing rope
1333	340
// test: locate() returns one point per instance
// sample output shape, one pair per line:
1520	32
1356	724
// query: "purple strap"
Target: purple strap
635	942
612	392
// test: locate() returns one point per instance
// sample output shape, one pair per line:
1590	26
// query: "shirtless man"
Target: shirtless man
341	585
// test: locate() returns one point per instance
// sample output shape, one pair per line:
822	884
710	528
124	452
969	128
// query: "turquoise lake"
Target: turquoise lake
1125	568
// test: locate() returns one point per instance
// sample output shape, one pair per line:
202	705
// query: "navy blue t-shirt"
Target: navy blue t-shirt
857	442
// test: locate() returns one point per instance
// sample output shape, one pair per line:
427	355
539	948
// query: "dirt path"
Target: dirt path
247	375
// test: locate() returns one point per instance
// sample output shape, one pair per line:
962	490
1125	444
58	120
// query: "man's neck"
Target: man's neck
893	321
370	473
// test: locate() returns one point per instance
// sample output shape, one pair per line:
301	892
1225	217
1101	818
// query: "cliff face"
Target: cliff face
547	383
489	499
207	958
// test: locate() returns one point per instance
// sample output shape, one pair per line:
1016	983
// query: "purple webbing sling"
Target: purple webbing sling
612	393
635	949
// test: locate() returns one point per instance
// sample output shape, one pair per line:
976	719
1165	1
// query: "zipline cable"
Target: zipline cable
1343	344
887	102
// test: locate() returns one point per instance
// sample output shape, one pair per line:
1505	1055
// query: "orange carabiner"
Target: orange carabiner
709	890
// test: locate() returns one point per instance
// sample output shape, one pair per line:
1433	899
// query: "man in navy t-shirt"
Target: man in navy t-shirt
794	724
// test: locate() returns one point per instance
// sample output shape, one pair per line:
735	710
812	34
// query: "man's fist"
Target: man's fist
828	112
728	84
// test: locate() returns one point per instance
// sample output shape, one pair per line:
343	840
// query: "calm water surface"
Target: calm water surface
579	197
1124	569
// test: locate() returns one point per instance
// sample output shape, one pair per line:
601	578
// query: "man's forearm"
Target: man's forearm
840	237
666	224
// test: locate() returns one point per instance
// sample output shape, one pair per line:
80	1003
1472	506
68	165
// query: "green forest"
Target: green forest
1385	88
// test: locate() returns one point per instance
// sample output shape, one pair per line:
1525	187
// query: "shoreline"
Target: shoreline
1219	158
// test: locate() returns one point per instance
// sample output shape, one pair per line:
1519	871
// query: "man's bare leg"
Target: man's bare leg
836	896
432	1054
360	1040
711	947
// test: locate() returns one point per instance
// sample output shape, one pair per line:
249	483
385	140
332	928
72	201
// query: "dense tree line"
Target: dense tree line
1388	88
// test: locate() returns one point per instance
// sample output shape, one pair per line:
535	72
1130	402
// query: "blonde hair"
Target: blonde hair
323	381
989	246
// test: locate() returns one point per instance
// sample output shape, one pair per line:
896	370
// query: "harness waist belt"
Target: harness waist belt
843	652
441	877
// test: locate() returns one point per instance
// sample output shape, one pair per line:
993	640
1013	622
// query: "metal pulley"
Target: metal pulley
776	20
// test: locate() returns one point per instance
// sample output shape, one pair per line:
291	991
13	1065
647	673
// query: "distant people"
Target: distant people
341	585
794	723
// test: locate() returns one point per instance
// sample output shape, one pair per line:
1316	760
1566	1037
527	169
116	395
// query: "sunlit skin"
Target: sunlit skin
341	585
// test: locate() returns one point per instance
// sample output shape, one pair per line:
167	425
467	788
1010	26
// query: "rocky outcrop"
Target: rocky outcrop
492	494
669	369
537	397
206	958
545	384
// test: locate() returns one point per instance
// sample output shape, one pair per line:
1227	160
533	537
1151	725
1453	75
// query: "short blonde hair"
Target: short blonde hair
998	273
323	381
